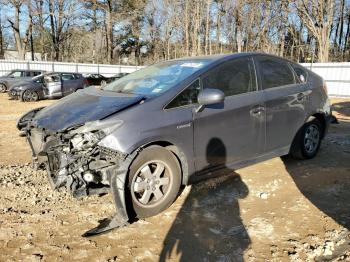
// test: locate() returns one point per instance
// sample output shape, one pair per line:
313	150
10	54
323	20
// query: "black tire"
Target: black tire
29	96
307	142
3	88
152	159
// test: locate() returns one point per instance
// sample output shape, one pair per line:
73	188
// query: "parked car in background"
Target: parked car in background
100	80
143	136
97	79
117	76
49	85
8	80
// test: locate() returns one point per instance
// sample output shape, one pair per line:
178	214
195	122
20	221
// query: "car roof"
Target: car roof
56	73
225	56
28	70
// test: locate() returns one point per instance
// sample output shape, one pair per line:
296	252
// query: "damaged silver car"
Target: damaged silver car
143	136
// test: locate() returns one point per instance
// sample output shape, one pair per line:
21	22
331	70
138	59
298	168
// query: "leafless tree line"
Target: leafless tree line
146	31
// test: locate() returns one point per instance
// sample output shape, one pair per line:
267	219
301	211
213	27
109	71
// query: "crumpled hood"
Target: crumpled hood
83	106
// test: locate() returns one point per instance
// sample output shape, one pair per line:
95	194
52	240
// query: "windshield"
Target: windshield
15	74
156	79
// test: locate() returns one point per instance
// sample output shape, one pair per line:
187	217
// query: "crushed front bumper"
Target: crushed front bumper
14	94
92	170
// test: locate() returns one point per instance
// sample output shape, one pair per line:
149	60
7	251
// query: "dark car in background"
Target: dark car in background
143	136
118	76
49	85
97	79
14	76
100	80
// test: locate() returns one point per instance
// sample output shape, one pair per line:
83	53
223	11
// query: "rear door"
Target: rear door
233	131
69	83
283	97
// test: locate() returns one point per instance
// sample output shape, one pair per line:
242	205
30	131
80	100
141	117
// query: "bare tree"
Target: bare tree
318	16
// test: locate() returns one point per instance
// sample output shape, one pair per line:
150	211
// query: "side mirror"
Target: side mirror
210	96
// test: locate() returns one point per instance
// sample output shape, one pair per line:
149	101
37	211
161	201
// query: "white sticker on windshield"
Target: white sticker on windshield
194	65
156	90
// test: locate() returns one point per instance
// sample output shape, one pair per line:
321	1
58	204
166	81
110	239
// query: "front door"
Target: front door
68	83
52	85
233	131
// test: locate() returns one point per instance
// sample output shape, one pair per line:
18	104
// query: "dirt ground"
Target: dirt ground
278	210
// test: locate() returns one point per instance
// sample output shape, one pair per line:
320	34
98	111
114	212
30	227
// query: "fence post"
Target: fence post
98	68
28	65
53	66
76	68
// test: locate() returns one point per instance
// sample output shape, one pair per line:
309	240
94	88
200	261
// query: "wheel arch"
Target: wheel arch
320	117
178	153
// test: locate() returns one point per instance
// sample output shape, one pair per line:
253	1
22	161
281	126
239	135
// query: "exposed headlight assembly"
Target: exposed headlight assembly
91	133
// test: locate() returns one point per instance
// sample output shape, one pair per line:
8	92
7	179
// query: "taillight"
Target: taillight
325	87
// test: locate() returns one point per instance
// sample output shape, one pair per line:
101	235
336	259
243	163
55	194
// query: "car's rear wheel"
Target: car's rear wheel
30	96
308	140
154	181
3	88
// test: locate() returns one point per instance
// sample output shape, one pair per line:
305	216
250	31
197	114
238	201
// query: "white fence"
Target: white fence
337	75
106	70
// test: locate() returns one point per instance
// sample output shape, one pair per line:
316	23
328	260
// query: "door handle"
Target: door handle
257	110
300	97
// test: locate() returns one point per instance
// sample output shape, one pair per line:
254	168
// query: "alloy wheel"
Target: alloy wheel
2	88
151	183
29	96
311	138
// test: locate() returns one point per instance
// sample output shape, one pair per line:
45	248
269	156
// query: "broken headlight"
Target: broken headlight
91	133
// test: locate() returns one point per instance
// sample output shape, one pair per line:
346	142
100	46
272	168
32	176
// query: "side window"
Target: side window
300	72
36	73
67	77
274	72
52	78
233	77
187	96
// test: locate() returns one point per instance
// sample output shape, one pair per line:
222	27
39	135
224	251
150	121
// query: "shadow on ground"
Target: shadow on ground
199	229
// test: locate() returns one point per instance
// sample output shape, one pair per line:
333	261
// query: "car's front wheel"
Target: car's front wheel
154	181
3	88
30	96
308	140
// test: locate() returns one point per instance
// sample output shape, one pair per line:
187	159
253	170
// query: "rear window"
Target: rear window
274	72
66	77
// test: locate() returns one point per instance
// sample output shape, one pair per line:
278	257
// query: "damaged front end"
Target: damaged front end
76	162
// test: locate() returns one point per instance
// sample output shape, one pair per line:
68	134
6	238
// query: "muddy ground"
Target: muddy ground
278	210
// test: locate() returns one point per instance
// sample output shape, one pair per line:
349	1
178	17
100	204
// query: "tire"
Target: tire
151	188
29	96
307	142
3	88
